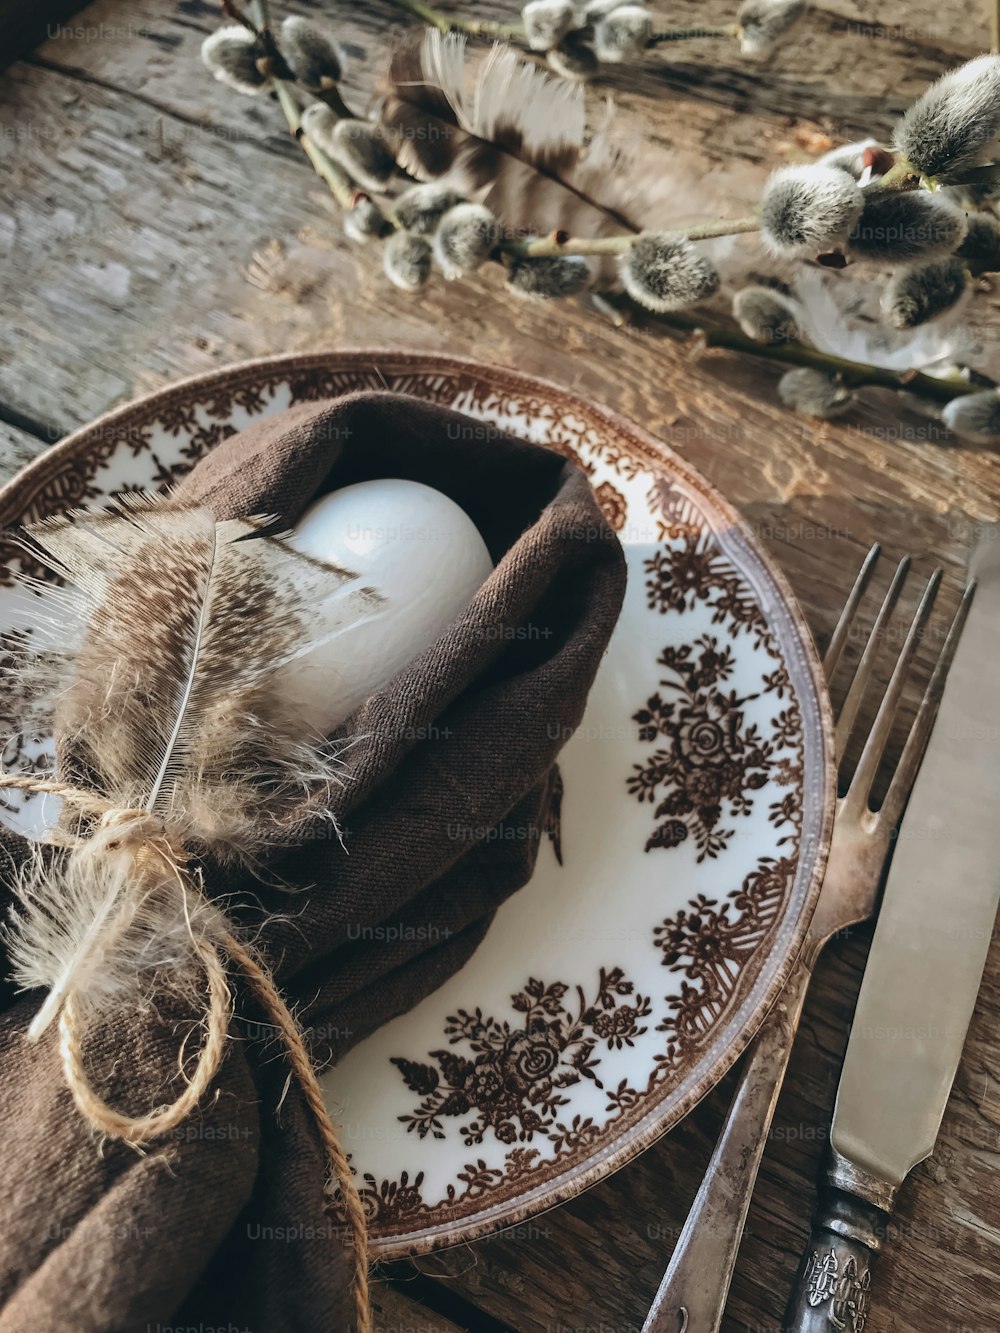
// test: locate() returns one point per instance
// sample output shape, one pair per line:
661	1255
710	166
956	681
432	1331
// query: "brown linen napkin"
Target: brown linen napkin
225	1226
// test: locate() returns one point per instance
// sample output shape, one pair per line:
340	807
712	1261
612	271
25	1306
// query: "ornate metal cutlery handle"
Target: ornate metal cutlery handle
832	1292
692	1295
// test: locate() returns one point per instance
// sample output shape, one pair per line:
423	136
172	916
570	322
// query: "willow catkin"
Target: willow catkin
808	209
663	271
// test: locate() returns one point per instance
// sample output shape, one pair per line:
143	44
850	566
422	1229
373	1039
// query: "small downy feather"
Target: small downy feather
154	708
515	138
83	931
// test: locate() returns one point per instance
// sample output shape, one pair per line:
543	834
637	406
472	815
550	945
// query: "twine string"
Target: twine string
155	852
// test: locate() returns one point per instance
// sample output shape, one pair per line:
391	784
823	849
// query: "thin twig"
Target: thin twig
449	23
233	11
688	34
855	374
446	23
340	184
558	243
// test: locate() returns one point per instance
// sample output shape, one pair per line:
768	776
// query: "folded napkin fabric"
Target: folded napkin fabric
225	1224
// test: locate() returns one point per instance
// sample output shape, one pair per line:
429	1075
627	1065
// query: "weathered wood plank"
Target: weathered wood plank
17	448
395	1312
155	225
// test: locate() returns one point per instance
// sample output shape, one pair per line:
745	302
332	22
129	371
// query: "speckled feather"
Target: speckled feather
516	139
160	654
151	702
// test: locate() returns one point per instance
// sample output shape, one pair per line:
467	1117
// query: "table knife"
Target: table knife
921	980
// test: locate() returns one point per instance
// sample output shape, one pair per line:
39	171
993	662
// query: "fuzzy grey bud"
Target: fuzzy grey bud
952	128
231	54
407	260
314	60
765	23
904	227
663	271
548	278
808	209
766	316
915	295
420	208
981	247
622	34
363	220
466	237
573	59
546	23
975	416
358	146
814	393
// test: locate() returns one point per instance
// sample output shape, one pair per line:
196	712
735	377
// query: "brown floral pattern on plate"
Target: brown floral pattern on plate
713	759
513	1077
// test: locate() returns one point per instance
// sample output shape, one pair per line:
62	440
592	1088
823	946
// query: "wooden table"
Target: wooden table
153	225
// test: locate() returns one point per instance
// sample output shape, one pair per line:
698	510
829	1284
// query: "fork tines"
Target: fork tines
860	787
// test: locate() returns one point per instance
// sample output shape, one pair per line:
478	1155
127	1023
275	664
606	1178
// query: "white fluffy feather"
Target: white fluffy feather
834	317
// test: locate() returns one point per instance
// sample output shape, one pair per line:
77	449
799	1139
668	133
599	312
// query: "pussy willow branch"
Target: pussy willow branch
854	374
446	23
262	29
689	34
340	184
900	177
336	179
471	27
559	244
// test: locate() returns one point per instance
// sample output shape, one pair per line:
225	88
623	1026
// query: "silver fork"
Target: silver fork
692	1295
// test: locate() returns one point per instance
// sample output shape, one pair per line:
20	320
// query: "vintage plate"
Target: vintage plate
613	991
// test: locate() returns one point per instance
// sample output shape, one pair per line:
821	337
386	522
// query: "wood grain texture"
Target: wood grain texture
395	1312
17	448
154	225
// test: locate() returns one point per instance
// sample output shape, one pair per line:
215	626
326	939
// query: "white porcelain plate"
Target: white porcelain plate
614	989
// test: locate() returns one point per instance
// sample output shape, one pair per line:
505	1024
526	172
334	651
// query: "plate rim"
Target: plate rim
30	480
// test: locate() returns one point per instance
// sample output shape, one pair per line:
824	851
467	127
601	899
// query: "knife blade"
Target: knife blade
922	977
937	916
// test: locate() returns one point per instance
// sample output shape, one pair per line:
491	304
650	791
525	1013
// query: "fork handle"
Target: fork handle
692	1295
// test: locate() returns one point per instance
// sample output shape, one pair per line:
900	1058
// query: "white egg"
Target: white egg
425	557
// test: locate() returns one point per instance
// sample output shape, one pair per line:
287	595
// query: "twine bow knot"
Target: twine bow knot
134	824
157	854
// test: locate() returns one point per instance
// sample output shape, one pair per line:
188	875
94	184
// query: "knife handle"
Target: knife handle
832	1292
